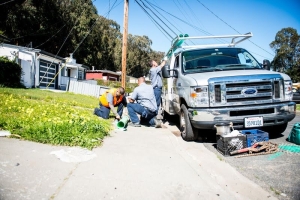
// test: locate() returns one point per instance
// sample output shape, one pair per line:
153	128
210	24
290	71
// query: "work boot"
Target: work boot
157	123
134	124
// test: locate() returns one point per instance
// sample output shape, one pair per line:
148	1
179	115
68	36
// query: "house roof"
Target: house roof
74	65
33	50
103	71
64	60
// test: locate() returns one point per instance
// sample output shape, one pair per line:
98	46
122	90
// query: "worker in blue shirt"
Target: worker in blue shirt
142	102
156	80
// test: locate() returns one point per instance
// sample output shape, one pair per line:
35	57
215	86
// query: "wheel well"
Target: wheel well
182	101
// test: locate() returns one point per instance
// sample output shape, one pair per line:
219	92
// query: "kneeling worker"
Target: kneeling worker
145	105
108	100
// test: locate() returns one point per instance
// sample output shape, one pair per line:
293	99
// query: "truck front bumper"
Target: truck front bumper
206	118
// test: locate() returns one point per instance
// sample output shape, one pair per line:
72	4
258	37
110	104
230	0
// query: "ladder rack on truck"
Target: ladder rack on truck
177	41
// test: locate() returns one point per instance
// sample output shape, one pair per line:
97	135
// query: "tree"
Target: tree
287	48
62	27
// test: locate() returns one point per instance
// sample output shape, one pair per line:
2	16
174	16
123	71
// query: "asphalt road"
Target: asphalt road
277	173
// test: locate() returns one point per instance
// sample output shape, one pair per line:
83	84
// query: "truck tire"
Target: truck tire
188	132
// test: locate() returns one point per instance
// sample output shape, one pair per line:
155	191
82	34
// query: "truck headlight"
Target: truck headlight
288	90
199	96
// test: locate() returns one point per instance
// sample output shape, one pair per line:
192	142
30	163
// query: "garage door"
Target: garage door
47	74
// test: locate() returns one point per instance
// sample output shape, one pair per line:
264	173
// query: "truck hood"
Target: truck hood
202	78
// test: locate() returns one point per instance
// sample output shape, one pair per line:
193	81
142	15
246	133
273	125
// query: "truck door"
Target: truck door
176	86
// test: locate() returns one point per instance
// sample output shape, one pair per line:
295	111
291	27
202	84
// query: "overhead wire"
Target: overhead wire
181	9
159	18
153	19
82	39
192	12
60	49
232	27
205	32
92	27
189	24
51	37
164	17
6	2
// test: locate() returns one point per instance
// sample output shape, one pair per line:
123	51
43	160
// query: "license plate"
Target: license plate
254	122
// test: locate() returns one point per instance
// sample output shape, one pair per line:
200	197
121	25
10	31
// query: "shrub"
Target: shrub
11	73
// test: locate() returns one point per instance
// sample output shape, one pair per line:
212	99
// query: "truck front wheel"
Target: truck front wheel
188	132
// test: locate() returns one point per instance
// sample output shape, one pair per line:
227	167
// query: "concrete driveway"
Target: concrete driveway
140	163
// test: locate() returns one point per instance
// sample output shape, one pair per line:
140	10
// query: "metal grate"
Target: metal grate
277	89
245	90
217	93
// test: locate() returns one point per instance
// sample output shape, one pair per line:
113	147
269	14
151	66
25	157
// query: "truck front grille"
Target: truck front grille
236	91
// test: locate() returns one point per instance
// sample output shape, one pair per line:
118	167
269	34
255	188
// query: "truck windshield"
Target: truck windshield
218	59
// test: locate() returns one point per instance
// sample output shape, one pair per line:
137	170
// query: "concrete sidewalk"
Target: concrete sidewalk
140	163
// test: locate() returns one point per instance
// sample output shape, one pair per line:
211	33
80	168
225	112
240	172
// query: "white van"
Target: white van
222	83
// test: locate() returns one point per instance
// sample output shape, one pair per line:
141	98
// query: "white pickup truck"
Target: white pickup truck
222	83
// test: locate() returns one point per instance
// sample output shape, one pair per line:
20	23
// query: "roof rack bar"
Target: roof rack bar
245	36
177	41
206	45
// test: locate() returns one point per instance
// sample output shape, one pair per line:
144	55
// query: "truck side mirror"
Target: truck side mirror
266	64
166	71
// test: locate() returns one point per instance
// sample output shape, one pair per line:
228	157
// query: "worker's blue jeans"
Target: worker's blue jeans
157	93
146	115
104	111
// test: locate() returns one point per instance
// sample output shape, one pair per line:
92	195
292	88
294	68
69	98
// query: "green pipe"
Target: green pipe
123	122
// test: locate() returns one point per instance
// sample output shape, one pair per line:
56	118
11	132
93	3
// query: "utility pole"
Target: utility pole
124	46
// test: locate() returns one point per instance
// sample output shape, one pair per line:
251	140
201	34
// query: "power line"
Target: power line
232	27
205	32
62	46
6	2
51	36
164	17
92	28
153	19
159	19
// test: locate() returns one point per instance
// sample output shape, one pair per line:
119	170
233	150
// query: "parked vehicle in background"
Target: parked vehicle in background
296	95
221	83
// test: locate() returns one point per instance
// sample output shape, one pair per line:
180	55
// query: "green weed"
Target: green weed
52	118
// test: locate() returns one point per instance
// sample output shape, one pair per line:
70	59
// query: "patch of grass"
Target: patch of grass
219	157
52	118
274	190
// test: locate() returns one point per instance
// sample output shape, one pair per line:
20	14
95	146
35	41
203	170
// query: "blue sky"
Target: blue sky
264	18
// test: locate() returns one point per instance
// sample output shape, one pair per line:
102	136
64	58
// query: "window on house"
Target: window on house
80	75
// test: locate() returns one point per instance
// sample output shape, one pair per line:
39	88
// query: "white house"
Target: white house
43	69
70	70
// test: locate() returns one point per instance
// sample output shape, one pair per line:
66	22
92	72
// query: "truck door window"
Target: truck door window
176	64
